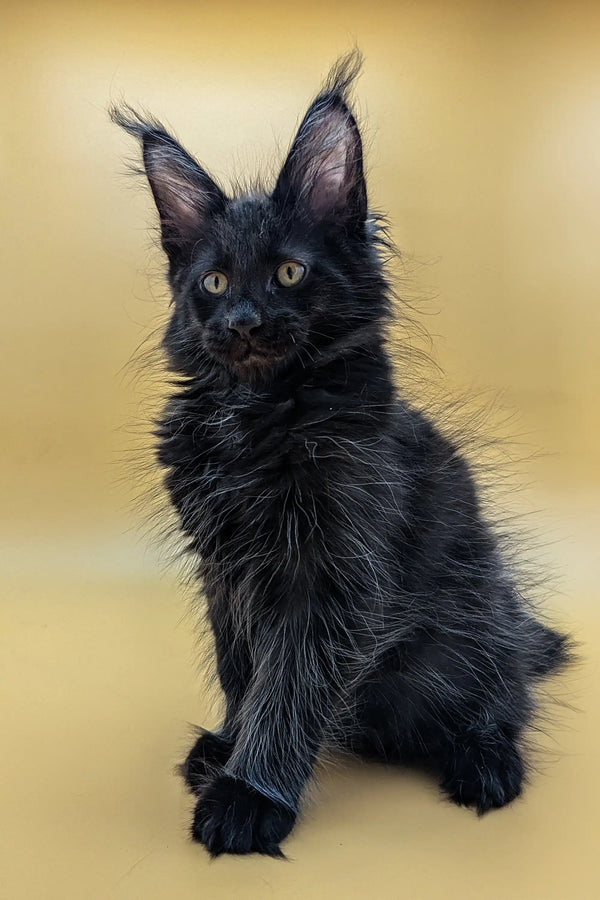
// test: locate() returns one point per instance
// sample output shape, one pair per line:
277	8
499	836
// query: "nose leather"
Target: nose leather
244	320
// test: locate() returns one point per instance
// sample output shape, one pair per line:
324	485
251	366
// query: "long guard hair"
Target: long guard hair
358	597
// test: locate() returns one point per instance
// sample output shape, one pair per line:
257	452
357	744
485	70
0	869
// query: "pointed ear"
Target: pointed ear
323	173
186	196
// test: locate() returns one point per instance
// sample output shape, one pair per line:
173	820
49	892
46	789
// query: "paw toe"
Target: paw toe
232	817
486	777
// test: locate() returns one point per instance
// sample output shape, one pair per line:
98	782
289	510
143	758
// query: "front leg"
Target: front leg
212	750
209	754
252	806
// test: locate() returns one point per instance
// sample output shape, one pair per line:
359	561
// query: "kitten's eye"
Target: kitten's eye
290	273
215	283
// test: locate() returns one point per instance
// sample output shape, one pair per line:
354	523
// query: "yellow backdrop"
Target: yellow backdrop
483	132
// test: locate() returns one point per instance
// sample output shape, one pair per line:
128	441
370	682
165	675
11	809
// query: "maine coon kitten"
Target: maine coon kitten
357	596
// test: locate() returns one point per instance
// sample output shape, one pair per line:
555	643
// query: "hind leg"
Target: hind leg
474	751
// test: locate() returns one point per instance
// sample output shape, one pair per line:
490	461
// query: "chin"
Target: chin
249	362
257	363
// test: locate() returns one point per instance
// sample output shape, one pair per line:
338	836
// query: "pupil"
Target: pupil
216	282
289	272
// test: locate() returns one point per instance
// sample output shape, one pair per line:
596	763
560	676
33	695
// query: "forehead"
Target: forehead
252	233
248	230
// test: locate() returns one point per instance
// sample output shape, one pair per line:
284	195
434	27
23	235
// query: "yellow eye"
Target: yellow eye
215	283
290	273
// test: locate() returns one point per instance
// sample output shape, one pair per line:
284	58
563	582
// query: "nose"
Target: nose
245	320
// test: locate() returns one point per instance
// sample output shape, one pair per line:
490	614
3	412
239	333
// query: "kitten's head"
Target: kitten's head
266	280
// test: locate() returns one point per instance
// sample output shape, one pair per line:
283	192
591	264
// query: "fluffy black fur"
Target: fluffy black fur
357	596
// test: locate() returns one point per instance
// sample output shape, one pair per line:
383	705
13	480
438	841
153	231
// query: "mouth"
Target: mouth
257	356
243	355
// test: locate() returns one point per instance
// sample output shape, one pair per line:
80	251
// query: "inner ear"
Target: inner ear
323	172
186	196
330	175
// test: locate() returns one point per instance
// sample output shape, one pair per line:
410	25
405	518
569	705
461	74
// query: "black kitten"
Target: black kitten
357	596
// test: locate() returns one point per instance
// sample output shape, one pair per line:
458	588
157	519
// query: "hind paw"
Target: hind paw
485	775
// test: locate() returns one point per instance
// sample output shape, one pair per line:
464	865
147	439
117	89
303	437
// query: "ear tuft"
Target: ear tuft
323	172
343	74
186	196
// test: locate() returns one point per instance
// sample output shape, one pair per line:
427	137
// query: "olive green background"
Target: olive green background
482	126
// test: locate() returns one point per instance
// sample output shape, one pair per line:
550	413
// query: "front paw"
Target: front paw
207	756
232	817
